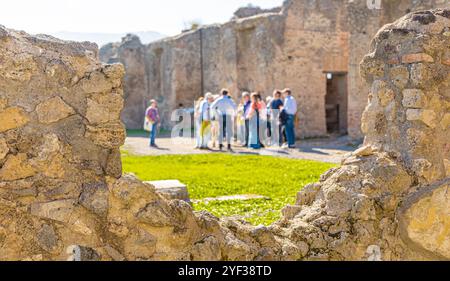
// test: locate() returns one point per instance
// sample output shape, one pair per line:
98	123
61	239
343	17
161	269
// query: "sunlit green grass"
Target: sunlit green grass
213	175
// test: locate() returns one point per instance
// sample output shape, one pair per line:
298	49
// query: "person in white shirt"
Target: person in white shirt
290	107
205	117
224	110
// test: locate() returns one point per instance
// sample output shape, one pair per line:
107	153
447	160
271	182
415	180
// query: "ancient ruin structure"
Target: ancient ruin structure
62	193
296	46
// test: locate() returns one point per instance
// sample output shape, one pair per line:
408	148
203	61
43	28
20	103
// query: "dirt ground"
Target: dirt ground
329	150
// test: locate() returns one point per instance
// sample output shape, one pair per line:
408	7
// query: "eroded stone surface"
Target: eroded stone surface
12	118
16	167
3	149
53	110
426	220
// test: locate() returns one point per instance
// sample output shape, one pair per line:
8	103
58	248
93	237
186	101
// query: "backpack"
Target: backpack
283	117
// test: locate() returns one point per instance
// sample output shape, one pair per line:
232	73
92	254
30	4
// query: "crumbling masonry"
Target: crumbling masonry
62	193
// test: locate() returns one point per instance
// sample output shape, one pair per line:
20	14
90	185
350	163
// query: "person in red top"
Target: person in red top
152	116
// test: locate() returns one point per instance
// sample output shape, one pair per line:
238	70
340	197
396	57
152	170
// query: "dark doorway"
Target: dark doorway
336	103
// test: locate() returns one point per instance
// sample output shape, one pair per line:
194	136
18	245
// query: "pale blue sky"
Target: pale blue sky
116	16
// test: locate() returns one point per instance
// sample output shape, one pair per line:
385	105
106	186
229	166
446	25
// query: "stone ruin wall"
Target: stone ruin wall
62	194
292	48
250	11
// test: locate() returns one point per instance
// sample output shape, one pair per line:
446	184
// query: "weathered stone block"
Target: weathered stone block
386	97
413	98
289	212
207	249
308	194
383	92
111	135
424	170
140	245
94	197
3	103
446	58
4	149
428	117
48	238
95	83
157	214
399	76
421	74
447	167
364	151
171	189
102	108
114	164
419	57
425	220
372	69
12	118
113	253
53	110
16	167
445	122
81	253
60	210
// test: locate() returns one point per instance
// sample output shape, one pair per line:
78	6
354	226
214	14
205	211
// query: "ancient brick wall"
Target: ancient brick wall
293	48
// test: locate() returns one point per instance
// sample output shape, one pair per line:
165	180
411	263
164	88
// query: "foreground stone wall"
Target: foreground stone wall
293	48
62	194
135	83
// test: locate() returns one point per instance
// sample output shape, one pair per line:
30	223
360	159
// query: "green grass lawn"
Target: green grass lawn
213	175
137	133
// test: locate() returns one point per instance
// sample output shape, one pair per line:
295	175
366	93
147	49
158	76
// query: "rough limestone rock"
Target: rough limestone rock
260	50
171	189
136	98
62	196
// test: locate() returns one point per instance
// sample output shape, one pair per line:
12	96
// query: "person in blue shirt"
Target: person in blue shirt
290	107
